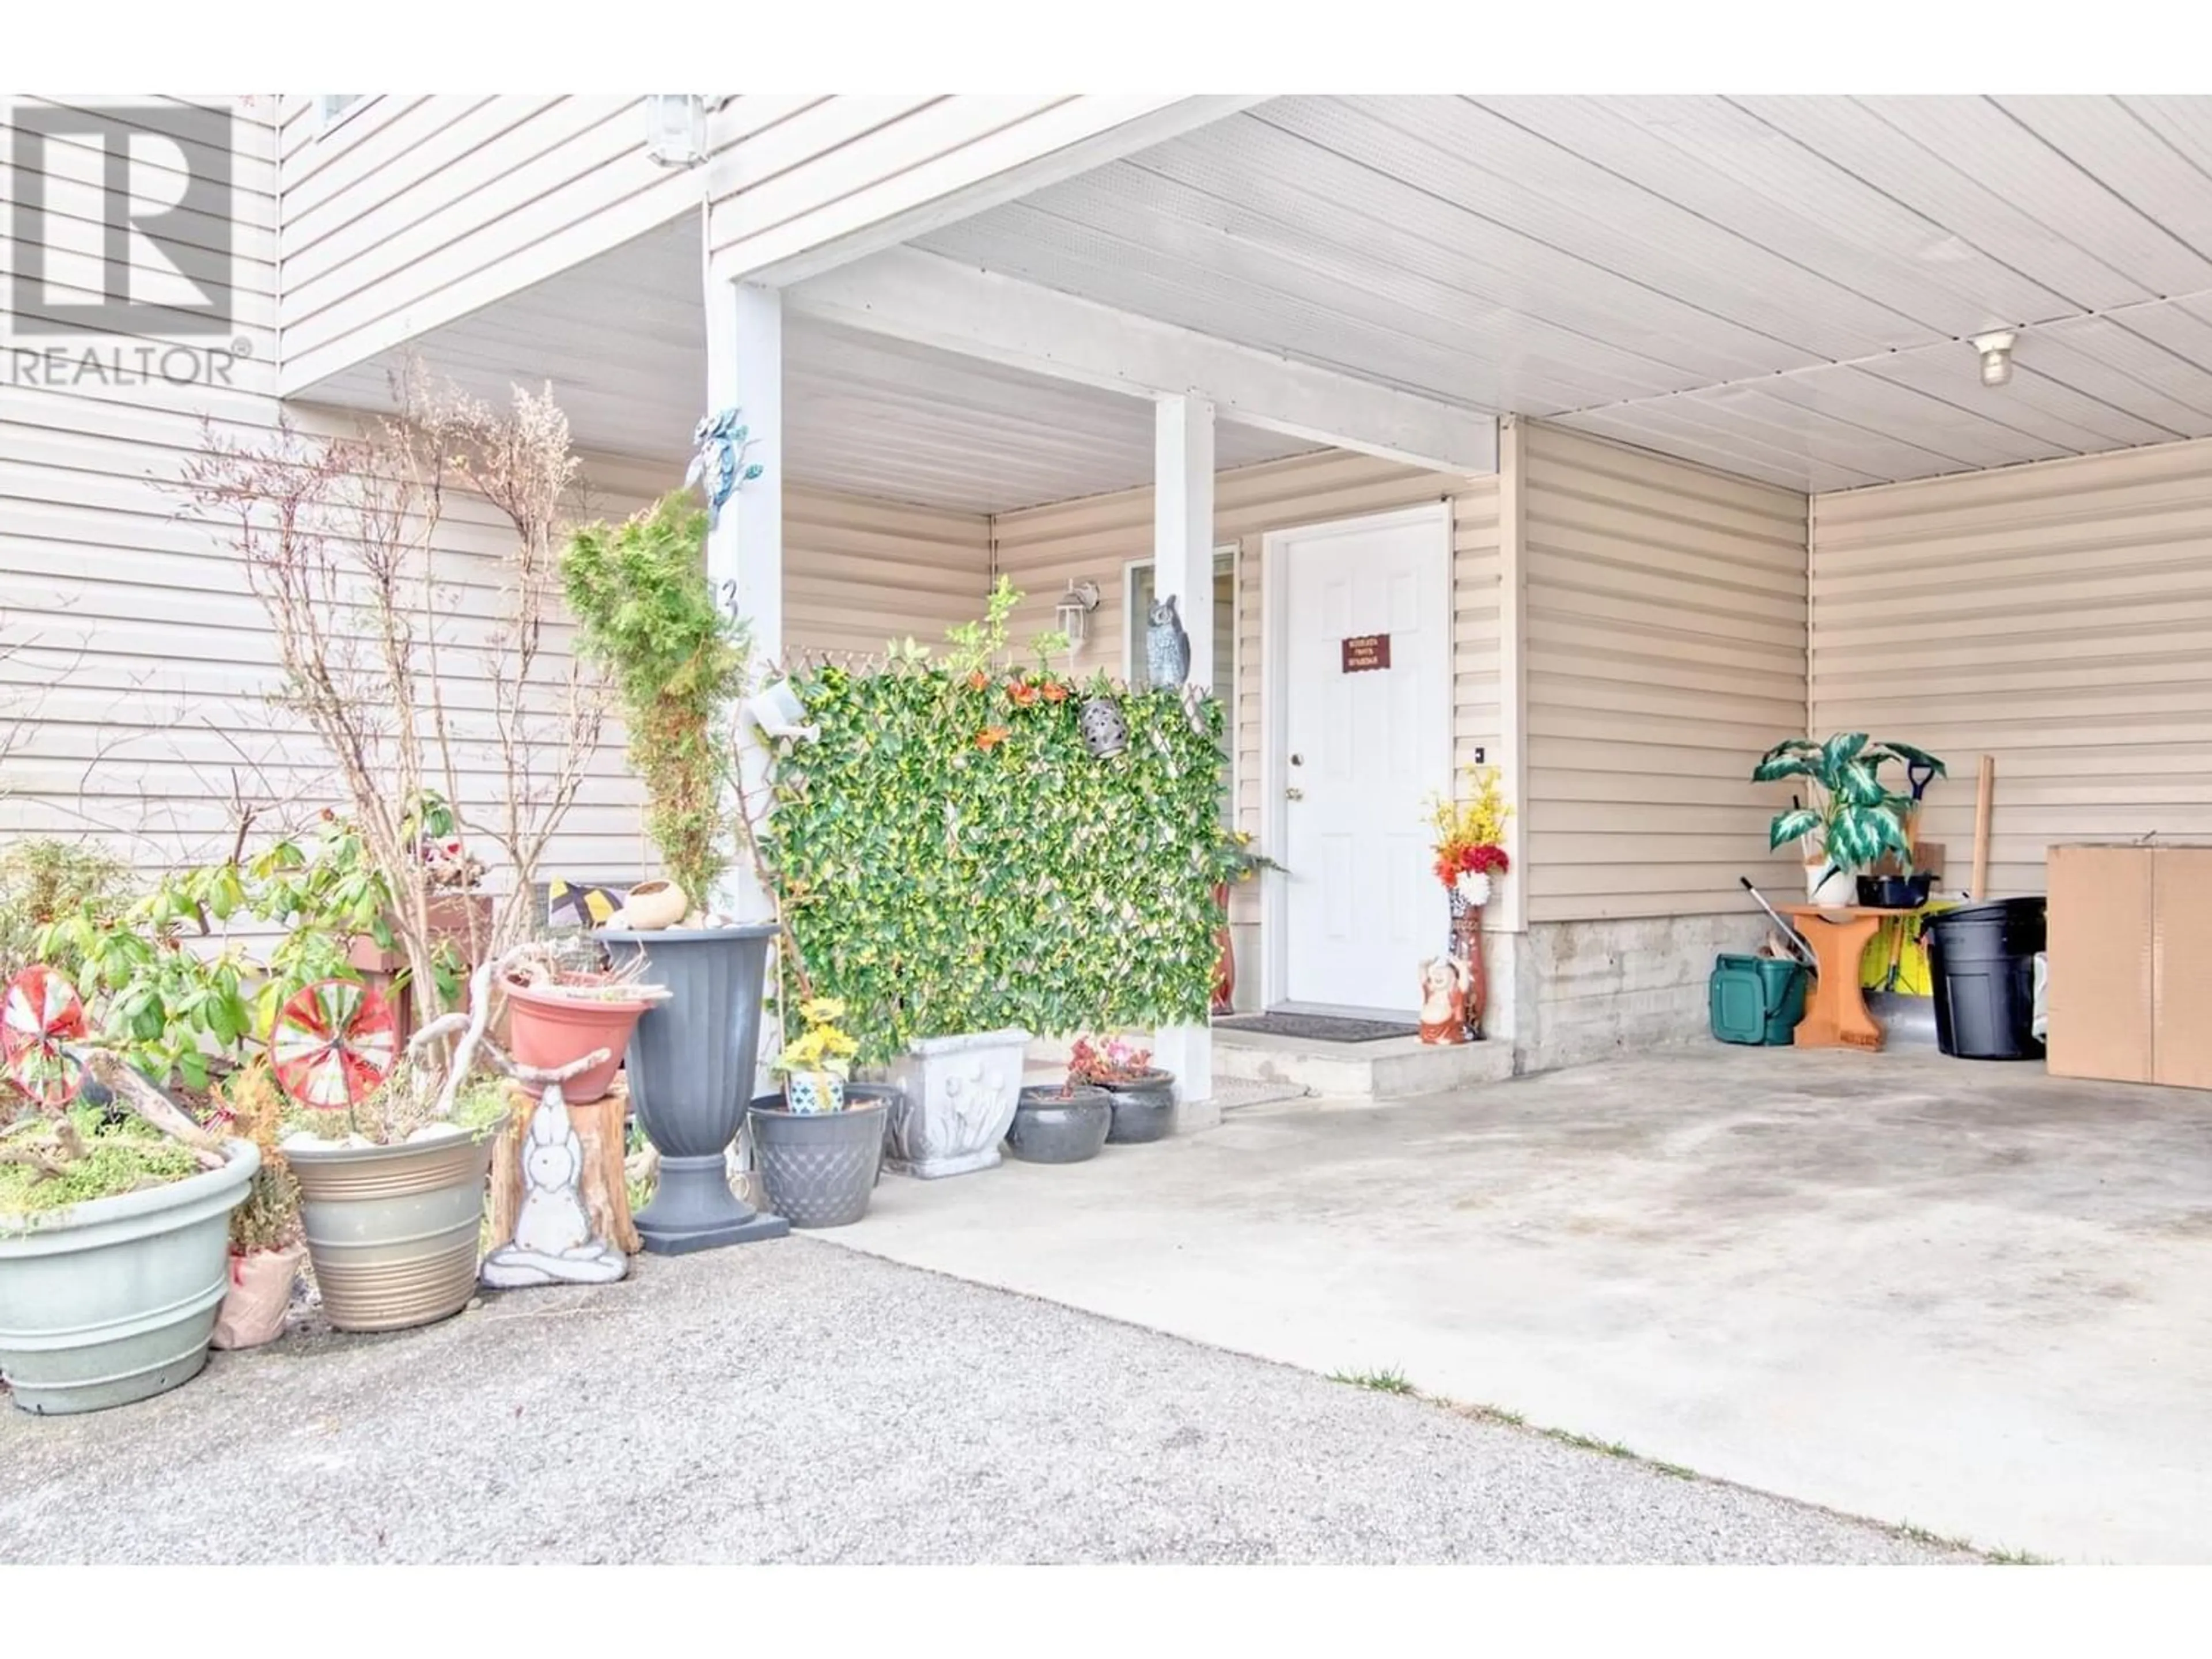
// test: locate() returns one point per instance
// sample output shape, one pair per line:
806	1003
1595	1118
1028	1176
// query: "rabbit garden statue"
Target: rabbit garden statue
553	1243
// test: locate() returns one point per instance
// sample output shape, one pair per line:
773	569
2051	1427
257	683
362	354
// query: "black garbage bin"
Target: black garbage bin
1981	959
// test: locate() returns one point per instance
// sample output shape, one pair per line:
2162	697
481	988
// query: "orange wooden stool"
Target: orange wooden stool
1836	1014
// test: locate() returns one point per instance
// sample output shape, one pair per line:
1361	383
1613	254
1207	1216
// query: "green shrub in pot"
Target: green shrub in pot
1855	818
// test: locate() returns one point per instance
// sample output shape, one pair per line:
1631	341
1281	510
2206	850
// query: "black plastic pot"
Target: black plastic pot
1894	892
690	1062
1144	1110
818	1168
1055	1125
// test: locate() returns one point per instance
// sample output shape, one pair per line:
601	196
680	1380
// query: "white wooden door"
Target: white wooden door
1363	668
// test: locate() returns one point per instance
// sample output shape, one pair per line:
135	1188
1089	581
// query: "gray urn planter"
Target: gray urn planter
113	1301
1052	1125
392	1232
957	1098
691	1065
1143	1109
818	1168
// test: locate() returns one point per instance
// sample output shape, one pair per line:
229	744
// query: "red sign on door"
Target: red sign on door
1364	652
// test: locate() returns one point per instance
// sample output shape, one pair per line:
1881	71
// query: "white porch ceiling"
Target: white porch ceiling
623	338
1778	287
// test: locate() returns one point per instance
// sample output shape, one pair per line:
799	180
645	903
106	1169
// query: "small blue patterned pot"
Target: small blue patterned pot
814	1092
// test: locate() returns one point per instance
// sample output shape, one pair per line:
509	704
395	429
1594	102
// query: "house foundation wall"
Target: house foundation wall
1580	991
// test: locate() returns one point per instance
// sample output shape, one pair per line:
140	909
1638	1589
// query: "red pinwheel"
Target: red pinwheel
43	1011
334	1042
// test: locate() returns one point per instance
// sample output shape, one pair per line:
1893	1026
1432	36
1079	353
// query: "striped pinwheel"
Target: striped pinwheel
43	1012
334	1043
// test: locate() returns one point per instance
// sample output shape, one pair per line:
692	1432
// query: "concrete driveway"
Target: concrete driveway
791	1401
1970	1298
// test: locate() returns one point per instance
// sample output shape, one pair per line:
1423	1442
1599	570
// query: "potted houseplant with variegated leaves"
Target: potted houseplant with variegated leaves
1855	819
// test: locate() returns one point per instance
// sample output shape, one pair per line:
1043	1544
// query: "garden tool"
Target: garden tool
1790	940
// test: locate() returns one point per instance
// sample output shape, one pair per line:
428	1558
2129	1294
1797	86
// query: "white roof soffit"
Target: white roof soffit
937	301
1783	288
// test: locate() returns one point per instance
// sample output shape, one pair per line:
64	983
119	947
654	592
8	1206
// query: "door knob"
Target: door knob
1294	794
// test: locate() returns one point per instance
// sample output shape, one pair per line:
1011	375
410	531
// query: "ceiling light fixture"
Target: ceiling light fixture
1997	357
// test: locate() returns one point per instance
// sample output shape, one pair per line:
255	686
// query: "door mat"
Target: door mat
1322	1028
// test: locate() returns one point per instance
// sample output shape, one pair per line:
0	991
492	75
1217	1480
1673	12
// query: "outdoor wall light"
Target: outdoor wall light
676	127
1997	357
1072	613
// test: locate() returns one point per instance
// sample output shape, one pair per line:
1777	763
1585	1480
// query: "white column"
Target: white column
1182	522
1183	555
744	549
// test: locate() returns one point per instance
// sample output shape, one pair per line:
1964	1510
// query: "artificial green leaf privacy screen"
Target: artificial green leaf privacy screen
953	860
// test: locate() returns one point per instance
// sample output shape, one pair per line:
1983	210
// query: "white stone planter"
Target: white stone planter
958	1100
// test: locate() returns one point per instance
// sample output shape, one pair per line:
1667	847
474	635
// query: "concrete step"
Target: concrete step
1393	1068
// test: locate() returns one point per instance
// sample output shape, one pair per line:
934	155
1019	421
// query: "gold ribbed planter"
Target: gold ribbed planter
392	1230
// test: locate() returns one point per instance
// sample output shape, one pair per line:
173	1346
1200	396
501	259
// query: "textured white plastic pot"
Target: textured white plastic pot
110	1302
957	1096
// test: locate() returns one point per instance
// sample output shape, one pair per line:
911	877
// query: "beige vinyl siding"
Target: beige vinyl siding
135	665
858	574
415	210
2056	616
1665	636
1041	548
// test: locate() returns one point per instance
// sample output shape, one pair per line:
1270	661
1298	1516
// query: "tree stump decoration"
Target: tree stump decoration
598	1128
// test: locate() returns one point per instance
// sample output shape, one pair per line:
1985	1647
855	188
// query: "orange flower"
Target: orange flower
992	736
1024	694
978	680
1053	692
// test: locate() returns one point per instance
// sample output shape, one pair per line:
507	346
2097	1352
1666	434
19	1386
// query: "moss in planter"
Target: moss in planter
116	1162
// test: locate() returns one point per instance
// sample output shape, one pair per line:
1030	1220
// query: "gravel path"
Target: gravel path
796	1401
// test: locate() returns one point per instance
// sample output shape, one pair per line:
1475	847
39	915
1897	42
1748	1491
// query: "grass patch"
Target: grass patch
1590	1442
1389	1382
2016	1559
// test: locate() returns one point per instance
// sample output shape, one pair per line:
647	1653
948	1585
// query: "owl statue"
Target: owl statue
1167	647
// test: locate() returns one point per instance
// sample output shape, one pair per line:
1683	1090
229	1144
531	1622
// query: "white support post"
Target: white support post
1182	565
744	549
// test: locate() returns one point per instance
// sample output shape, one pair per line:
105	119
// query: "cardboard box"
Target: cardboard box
2130	955
2181	967
2098	904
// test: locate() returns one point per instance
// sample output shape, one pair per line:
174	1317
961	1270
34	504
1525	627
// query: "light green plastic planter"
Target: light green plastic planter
113	1301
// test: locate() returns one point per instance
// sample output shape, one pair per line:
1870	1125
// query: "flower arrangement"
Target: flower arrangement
1470	836
1109	1062
823	1048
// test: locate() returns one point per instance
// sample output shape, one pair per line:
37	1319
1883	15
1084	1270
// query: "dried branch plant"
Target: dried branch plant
334	541
340	540
547	708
